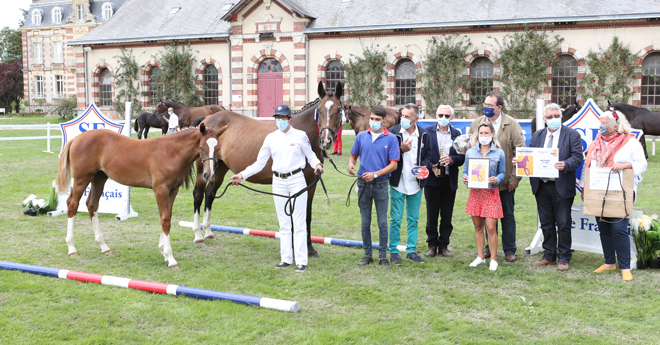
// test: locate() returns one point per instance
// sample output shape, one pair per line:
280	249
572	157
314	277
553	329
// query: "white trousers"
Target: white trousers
290	186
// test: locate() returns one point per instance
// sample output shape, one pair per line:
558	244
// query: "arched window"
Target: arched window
56	15
651	80
155	86
481	76
334	73
210	85
564	80
270	65
105	88
405	83
37	15
107	11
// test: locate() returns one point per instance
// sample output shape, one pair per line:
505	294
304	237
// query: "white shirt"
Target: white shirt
288	150
408	183
631	152
498	123
375	136
444	141
174	121
555	139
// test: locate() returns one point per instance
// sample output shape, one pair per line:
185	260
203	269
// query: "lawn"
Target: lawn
439	302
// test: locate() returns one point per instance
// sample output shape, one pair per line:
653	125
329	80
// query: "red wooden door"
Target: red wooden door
270	87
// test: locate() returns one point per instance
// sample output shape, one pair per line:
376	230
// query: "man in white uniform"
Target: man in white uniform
288	147
173	121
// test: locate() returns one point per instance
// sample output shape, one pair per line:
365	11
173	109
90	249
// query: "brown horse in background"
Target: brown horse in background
238	148
162	164
359	118
186	114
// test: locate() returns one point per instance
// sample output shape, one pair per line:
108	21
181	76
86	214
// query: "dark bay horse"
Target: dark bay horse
329	115
639	118
162	164
359	118
565	116
187	114
238	148
147	120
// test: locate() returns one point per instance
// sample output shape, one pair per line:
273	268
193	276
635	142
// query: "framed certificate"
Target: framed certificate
537	162
478	173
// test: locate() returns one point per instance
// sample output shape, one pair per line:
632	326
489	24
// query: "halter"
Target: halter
333	131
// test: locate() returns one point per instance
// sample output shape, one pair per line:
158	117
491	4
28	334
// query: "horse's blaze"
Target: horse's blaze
212	143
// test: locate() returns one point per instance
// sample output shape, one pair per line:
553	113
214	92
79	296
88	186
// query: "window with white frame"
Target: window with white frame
57	52
38	86
334	73
481	75
81	12
59	86
36	17
38	53
56	15
405	88
107	11
105	88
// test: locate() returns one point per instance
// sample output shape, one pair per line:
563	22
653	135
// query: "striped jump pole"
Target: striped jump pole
161	288
274	234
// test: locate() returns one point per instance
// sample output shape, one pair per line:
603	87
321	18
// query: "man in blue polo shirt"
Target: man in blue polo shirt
379	153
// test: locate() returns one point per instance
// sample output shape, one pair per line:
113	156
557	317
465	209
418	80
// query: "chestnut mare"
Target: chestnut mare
359	118
186	114
162	164
238	148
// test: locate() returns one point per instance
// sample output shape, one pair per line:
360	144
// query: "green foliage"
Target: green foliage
610	73
11	45
65	107
524	58
127	81
177	74
365	75
443	71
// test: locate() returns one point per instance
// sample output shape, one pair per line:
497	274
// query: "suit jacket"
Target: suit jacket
570	152
423	155
458	159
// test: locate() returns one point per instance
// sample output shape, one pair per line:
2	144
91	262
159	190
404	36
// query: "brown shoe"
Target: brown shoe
562	266
433	250
487	254
543	262
510	257
446	253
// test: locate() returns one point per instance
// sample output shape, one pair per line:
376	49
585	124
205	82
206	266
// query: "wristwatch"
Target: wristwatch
375	175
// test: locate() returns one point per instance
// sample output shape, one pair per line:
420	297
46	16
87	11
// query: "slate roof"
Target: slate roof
47	6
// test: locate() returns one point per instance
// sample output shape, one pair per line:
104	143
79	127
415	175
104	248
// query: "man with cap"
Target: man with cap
288	147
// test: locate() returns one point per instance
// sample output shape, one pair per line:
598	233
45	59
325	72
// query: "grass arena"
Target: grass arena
439	302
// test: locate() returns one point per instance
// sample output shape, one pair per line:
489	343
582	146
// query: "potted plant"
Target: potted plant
642	244
653	237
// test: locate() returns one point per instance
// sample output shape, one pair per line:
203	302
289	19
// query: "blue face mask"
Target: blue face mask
554	124
405	123
375	125
489	112
604	129
443	121
282	124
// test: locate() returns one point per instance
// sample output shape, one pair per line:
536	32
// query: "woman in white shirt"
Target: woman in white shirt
288	147
614	147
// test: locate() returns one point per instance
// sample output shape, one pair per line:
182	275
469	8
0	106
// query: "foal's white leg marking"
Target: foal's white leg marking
167	250
207	224
69	237
196	229
161	245
211	142
98	236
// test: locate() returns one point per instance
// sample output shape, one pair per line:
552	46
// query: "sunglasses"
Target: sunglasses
446	116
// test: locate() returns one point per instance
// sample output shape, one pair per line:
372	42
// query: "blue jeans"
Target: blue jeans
615	241
508	222
396	216
376	192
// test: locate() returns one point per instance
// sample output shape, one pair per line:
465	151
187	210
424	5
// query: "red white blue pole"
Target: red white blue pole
161	288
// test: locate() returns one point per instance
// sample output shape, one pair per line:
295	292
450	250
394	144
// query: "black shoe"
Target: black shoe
384	262
338	153
365	260
395	259
414	257
282	265
333	154
301	268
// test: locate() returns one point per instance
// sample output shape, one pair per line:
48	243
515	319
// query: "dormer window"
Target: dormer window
56	15
81	12
107	11
37	16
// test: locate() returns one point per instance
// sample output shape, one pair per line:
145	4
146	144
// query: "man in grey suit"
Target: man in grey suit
554	197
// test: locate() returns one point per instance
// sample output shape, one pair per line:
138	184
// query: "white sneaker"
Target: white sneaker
478	261
493	265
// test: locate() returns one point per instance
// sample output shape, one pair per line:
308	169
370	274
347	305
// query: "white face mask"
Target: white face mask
485	140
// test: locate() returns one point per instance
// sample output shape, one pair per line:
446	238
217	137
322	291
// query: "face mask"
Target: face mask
489	112
405	123
554	124
282	124
485	140
604	129
170	113
375	125
443	121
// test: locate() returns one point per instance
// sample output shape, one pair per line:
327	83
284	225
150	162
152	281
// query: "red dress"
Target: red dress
484	203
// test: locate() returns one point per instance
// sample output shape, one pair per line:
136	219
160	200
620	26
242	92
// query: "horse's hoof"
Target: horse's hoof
200	242
176	267
73	254
209	237
109	252
313	253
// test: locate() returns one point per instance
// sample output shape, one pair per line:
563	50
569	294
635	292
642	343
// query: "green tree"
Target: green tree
365	75
524	57
442	71
11	45
610	73
65	107
177	74
127	81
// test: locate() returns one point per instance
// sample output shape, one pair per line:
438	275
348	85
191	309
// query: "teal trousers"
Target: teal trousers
411	202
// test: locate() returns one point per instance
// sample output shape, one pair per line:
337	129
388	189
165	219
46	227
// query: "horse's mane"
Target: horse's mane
627	106
177	102
307	106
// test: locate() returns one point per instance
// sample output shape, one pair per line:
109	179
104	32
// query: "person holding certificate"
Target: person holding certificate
615	148
554	196
485	168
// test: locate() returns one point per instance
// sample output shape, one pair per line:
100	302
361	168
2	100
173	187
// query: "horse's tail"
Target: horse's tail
135	127
191	177
64	172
